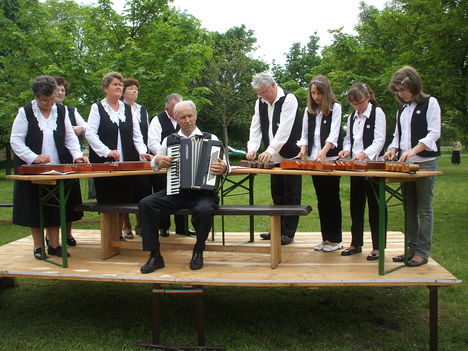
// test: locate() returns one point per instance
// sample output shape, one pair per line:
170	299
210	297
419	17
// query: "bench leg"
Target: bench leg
275	240
110	231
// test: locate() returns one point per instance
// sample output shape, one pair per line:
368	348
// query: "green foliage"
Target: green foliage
228	99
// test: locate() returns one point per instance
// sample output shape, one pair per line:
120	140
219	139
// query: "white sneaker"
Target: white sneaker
319	247
332	246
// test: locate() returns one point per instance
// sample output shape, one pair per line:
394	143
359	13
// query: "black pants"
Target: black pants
287	190
158	182
327	189
159	205
360	190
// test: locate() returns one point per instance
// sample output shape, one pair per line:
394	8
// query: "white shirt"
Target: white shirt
331	138
433	127
47	126
287	117
94	120
154	133
373	150
80	120
162	150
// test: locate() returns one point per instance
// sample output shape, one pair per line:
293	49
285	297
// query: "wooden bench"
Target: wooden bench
110	229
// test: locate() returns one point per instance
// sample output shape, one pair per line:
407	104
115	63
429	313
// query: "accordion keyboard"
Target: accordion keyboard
173	172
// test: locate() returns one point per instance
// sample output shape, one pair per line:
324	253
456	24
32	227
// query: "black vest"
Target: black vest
418	128
144	124
108	133
290	148
34	135
167	128
71	114
368	132
325	127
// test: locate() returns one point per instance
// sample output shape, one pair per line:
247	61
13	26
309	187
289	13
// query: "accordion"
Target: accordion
192	160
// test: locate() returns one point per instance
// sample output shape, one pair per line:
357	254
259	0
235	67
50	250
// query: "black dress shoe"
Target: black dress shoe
265	236
412	263
349	252
164	233
155	262
188	232
197	260
400	258
286	240
372	256
56	251
38	254
71	242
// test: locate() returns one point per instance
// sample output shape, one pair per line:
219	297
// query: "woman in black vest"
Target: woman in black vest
42	133
416	139
79	126
320	140
114	134
364	140
142	187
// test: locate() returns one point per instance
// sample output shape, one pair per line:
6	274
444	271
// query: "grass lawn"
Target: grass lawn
73	315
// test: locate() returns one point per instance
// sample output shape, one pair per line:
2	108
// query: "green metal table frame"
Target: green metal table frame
60	193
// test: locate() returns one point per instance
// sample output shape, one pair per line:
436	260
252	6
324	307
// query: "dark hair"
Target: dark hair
323	86
360	91
108	77
61	81
44	86
411	80
128	82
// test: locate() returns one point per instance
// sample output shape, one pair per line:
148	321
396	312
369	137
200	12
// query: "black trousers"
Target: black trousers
158	182
327	190
159	205
362	189
287	190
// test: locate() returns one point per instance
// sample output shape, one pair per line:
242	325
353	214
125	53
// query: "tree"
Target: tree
227	101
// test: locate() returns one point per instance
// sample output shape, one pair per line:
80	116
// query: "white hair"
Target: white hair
185	103
262	79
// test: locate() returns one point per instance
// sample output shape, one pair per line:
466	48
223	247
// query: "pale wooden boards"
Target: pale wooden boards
300	264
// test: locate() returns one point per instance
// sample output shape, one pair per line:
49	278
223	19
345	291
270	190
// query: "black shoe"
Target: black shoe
71	242
349	252
372	256
164	233
56	251
286	240
197	260
412	263
400	258
265	236
155	262
38	254
189	232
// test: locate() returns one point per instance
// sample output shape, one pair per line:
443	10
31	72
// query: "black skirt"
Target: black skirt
456	157
26	205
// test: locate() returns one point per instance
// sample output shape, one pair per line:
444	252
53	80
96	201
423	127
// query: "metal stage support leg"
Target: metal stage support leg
249	190
156	344
433	318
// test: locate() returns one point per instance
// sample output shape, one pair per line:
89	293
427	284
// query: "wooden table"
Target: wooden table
378	177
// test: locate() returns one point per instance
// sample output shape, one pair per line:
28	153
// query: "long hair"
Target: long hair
361	91
411	80
328	98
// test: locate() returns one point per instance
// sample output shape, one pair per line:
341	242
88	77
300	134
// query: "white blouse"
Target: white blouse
47	126
115	116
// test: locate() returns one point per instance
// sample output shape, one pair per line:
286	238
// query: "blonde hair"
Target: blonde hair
411	80
328	98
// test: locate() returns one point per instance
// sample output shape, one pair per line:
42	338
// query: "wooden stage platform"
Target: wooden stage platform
300	265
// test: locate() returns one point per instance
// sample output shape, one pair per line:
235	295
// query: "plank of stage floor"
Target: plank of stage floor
300	266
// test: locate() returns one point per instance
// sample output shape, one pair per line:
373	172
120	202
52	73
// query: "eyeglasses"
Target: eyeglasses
357	103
